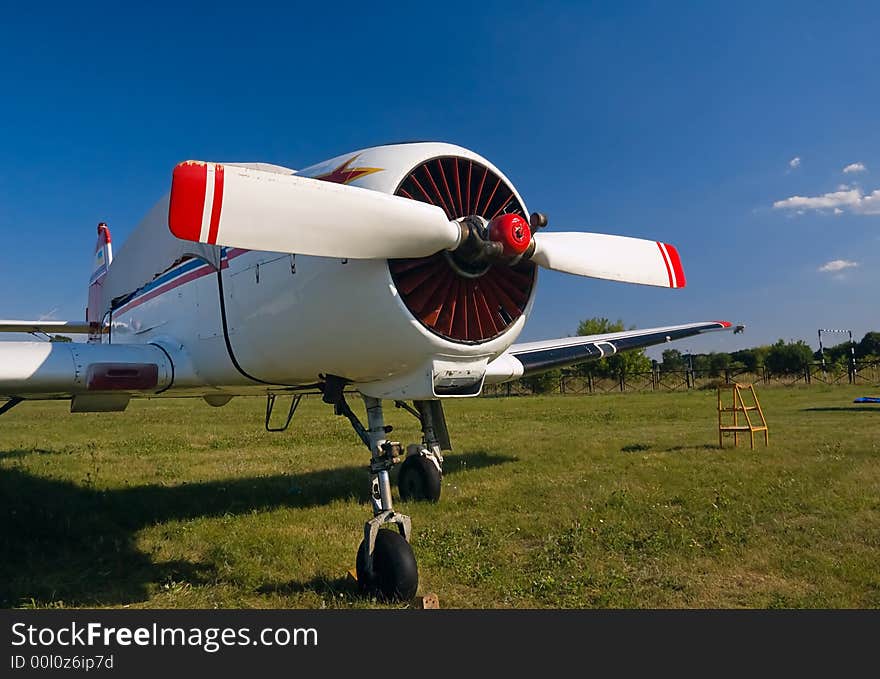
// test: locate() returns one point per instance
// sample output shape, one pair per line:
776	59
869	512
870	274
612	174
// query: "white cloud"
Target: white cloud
854	167
837	265
794	162
849	200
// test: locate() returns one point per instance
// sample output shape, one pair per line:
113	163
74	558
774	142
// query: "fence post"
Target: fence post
562	385
622	381
590	381
852	359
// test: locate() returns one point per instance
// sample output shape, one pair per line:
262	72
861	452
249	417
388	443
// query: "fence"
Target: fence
576	384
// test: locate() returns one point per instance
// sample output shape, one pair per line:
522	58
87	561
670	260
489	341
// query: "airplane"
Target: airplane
403	272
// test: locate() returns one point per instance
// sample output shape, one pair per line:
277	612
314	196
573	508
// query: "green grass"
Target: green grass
619	500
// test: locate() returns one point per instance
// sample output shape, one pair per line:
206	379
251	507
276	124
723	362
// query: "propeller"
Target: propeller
259	210
613	258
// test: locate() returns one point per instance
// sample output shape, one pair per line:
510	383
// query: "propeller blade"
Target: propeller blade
613	258
257	210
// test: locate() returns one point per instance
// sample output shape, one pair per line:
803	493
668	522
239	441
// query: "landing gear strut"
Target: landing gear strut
421	474
386	565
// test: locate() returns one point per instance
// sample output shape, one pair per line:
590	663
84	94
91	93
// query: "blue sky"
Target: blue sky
673	121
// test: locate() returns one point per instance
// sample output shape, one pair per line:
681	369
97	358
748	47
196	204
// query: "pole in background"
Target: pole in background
852	359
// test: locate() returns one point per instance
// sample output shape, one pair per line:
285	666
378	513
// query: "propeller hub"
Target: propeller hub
512	232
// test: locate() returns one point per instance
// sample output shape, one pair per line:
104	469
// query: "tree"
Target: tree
869	346
786	358
626	363
599	326
751	359
672	360
719	361
839	353
700	362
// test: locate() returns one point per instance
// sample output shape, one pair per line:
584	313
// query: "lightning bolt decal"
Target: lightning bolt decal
344	174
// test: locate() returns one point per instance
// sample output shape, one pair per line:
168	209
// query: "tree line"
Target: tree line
780	358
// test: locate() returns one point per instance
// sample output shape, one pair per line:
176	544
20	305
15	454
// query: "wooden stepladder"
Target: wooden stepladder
740	407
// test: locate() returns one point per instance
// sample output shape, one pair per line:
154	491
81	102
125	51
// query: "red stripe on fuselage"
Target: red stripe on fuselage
232	253
167	287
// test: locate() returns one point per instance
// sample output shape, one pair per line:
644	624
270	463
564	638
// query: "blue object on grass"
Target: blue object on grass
867	399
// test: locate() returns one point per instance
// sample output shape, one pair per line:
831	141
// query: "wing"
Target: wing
537	357
97	377
47	327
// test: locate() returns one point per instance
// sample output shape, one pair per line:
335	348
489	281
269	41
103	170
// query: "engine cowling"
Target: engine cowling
459	303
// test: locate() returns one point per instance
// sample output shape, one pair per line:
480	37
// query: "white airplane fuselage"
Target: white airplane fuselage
291	319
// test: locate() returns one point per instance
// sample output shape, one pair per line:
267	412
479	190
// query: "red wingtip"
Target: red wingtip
724	324
677	269
187	205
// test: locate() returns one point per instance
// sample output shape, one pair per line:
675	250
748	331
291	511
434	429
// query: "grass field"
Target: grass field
604	501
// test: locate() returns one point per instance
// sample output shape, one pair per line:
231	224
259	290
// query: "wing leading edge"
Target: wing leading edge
532	358
47	327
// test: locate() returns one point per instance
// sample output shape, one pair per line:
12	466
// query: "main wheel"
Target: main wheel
395	575
419	479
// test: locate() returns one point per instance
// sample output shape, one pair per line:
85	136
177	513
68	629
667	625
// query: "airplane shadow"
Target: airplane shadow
644	447
844	409
21	452
64	542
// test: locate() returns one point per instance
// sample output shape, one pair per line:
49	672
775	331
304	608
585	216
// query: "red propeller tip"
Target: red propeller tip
187	200
187	217
673	265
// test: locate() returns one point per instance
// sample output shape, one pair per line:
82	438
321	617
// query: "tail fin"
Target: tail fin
103	258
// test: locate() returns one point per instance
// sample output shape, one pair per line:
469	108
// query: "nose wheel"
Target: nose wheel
391	573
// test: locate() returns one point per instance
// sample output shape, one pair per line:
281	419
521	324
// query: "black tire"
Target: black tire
395	575
419	479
